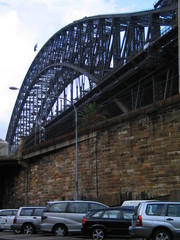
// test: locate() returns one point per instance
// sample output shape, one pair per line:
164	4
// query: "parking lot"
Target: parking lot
9	235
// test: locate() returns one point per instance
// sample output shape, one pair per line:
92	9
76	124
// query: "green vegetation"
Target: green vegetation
91	114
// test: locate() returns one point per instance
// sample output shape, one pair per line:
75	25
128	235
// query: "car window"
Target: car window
95	206
57	207
15	212
6	213
173	210
78	207
127	213
97	214
38	211
154	209
112	214
26	212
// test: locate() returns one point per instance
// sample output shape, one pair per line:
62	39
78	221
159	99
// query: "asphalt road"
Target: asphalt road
9	235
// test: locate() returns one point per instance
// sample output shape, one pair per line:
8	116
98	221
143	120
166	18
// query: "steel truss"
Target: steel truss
98	52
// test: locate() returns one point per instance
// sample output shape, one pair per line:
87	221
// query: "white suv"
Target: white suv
156	221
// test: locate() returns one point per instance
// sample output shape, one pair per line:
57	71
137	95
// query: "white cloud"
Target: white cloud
15	43
16	48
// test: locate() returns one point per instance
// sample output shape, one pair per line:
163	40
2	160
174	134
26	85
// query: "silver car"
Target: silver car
156	221
27	220
63	217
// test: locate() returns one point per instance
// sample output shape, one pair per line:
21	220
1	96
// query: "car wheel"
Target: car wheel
59	230
162	234
98	233
28	228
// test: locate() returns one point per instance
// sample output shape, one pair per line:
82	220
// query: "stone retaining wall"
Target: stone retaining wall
133	156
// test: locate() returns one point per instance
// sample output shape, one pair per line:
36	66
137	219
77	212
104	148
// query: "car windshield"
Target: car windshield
137	209
6	213
128	213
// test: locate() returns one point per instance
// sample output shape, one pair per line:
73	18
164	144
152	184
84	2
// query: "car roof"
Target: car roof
76	201
167	202
135	202
12	209
32	207
112	208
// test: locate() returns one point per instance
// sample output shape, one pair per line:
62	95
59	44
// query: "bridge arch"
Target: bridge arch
78	58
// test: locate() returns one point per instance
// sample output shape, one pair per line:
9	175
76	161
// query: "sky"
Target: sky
23	23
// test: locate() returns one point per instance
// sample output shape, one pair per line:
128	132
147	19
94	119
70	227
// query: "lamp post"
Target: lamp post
76	136
76	140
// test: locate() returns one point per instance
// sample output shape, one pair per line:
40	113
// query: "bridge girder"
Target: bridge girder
78	58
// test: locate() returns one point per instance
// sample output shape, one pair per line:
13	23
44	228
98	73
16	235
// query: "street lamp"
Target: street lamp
76	139
76	135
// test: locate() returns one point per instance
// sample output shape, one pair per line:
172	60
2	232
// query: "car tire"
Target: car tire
59	230
98	233
28	228
161	234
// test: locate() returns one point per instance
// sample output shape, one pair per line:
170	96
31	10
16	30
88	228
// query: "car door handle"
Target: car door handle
34	217
169	219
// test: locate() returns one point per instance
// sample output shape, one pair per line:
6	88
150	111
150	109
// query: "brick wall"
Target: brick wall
133	156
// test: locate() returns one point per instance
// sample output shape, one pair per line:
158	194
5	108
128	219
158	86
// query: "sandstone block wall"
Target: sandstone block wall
134	156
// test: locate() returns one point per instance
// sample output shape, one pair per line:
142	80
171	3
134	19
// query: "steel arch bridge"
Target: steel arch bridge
77	58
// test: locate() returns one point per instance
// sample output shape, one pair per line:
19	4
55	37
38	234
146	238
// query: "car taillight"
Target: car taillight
15	220
139	221
83	222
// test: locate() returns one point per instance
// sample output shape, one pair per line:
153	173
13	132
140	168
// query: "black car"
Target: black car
99	223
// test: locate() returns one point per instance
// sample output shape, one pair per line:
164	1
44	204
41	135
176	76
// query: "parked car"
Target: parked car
105	222
156	220
63	217
27	220
6	218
